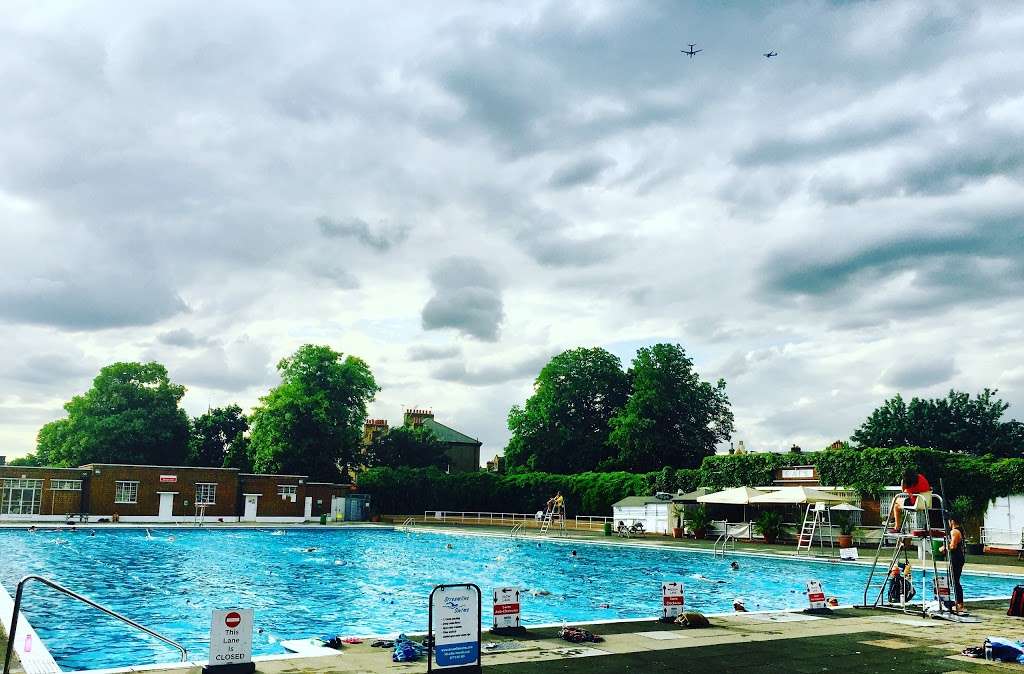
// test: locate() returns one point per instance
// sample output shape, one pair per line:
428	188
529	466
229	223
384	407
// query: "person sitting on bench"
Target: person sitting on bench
918	496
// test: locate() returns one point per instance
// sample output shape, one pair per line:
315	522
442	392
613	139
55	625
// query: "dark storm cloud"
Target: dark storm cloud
467	298
182	337
919	374
580	172
55	370
489	375
426	352
88	300
980	260
382	238
853	135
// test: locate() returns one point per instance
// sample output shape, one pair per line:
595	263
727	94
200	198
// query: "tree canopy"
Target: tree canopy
957	422
563	426
130	415
672	417
213	434
406	447
311	424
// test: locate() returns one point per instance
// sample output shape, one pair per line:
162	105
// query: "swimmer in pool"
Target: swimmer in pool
734	566
449	546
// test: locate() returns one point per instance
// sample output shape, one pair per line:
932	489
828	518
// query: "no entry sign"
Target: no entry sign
231	641
506	607
815	595
671	599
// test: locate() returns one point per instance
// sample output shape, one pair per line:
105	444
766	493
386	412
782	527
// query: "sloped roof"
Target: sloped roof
446	434
636	501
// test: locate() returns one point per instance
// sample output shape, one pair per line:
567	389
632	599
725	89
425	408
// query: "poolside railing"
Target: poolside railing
594	522
476	517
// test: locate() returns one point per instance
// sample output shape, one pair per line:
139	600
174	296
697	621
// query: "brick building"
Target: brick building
163	494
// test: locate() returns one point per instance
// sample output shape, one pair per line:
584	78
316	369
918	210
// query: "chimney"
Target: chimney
416	416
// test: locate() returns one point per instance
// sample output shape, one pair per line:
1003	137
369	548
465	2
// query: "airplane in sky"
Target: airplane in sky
691	51
770	54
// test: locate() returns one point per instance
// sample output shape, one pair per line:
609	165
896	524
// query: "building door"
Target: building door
309	508
250	508
20	496
166	506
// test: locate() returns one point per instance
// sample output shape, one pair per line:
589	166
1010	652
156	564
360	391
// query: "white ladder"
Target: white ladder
817	515
517	530
408	524
550	516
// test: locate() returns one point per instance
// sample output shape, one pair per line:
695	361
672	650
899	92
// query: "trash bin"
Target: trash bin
607	528
936	544
323	519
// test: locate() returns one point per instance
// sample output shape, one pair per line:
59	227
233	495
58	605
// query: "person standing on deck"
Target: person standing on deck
957	559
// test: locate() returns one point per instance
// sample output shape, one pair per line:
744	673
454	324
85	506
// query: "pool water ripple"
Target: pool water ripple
312	582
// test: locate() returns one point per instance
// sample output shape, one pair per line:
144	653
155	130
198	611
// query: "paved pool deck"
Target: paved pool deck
851	640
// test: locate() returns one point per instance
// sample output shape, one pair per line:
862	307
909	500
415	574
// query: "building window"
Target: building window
288	492
20	496
206	493
126	492
65	485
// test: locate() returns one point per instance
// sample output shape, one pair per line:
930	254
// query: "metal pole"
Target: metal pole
14	629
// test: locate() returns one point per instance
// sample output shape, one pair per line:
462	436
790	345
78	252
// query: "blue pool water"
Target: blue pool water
363	582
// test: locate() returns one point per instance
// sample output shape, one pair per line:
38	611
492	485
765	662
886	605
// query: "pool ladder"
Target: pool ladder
724	541
517	530
84	600
408	524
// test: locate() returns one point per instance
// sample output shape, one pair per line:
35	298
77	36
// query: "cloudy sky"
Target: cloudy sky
457	191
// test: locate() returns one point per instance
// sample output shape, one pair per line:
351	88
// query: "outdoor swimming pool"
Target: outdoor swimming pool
311	582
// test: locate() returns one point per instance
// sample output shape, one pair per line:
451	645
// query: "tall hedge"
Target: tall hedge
408	491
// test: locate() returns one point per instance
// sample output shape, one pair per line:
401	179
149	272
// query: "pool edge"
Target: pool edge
39	659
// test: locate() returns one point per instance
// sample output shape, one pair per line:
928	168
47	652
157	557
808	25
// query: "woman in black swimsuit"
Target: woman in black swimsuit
957	559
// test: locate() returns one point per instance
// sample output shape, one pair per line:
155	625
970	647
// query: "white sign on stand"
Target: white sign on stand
942	588
815	595
231	638
848	554
454	628
506	607
671	599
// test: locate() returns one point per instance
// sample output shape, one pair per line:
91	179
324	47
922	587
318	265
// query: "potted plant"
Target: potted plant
677	512
846	527
698	520
769	525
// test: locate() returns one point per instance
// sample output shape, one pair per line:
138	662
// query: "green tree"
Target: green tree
563	426
130	415
957	422
237	455
406	447
212	434
672	417
311	424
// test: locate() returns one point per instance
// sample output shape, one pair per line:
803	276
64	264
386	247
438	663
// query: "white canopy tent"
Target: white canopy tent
734	496
847	507
795	496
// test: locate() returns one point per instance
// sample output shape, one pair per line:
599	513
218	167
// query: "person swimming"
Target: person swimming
738	606
734	565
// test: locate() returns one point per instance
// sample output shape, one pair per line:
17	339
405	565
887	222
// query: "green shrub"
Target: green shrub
977	480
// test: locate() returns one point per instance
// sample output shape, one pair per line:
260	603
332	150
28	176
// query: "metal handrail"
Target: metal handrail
724	540
85	600
517	529
409	521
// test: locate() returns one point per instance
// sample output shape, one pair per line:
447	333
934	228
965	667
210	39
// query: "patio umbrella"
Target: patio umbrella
847	507
796	496
735	496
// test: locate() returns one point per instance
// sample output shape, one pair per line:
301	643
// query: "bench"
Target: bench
81	517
